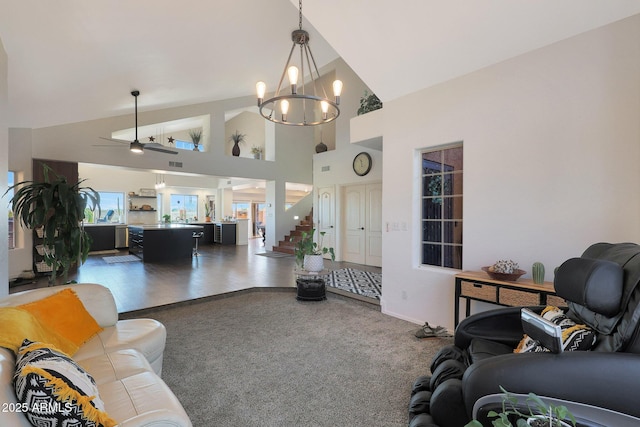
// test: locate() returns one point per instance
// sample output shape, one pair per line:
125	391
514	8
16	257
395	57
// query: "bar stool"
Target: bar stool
197	235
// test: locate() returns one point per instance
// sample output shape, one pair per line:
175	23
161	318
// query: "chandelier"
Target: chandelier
299	108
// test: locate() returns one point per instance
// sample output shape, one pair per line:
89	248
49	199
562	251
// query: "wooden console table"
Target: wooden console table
478	286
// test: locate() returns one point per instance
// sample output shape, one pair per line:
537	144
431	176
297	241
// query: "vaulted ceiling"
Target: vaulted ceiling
74	60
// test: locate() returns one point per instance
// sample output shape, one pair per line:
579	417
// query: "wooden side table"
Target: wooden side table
478	286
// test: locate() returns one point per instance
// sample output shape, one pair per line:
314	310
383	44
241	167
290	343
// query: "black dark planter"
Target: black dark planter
236	149
321	147
311	289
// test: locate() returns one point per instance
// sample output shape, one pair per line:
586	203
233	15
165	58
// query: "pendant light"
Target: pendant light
299	108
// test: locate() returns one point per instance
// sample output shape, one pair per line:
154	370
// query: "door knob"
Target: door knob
361	228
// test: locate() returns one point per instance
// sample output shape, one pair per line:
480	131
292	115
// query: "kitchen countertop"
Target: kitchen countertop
166	226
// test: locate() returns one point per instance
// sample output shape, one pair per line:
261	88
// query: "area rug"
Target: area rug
273	254
264	359
365	283
120	258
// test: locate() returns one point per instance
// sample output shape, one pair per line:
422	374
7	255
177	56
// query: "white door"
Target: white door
353	249
363	224
326	216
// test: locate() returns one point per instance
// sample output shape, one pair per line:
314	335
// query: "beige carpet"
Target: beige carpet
262	358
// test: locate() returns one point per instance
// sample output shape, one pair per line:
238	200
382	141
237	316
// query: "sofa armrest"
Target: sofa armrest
99	301
502	325
584	375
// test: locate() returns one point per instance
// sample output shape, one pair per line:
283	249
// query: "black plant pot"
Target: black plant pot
321	147
236	149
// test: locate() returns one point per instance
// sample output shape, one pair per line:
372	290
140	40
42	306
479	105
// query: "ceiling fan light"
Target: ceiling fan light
136	147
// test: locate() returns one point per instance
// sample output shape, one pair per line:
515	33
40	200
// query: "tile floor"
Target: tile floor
219	269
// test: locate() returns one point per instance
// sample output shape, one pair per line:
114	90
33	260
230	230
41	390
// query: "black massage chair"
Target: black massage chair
601	291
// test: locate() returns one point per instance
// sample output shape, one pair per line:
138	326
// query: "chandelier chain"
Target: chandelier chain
300	14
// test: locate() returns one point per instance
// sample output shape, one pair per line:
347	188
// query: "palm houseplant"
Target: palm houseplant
369	102
196	136
237	138
309	253
55	209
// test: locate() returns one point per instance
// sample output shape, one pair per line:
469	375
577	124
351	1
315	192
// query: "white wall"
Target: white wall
4	168
21	163
551	151
289	148
252	126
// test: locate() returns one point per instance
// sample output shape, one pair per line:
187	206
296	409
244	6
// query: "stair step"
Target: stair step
287	245
283	249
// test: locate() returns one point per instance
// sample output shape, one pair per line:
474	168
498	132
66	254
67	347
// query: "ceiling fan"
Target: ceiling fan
136	146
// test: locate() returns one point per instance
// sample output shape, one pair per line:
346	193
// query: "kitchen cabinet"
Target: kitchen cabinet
103	236
224	233
162	242
207	237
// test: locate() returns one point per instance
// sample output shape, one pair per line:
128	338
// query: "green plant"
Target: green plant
537	270
256	150
307	246
207	210
546	414
195	135
57	207
237	137
166	218
369	102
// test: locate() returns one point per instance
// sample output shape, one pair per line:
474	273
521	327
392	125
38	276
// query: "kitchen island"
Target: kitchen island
162	242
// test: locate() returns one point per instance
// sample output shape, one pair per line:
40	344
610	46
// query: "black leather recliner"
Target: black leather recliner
602	290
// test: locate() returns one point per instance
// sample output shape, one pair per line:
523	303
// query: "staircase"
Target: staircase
287	245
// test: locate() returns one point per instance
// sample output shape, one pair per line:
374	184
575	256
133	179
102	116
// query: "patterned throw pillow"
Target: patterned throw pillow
53	390
574	337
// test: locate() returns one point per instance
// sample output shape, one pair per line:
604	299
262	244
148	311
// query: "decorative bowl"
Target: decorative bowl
507	277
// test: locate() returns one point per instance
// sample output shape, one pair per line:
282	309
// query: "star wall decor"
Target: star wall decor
151	139
171	140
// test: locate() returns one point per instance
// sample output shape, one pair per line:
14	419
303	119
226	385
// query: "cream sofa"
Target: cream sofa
125	359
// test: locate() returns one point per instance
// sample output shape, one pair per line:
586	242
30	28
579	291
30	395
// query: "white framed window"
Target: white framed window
111	209
184	207
441	228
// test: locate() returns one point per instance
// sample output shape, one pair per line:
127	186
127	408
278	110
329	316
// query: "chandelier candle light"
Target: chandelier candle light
300	109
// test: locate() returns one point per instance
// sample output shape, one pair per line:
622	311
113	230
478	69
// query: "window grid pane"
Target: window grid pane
442	196
184	207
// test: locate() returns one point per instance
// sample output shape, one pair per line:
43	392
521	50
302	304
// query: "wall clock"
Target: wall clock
362	164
